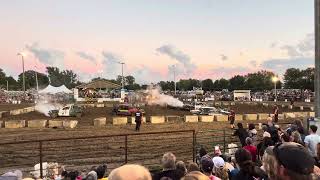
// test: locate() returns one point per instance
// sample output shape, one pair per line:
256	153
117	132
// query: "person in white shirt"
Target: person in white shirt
312	140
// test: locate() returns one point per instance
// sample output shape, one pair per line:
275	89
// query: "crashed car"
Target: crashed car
209	111
67	111
126	110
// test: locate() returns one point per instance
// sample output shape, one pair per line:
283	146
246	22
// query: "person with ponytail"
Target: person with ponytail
248	169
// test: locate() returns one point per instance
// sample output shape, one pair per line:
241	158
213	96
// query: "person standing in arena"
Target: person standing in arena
138	119
231	118
276	114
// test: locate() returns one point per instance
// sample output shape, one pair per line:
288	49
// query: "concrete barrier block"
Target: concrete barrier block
173	118
15	124
289	115
301	114
16	111
238	117
119	120
281	116
312	114
98	122
225	103
206	118
250	117
42	123
55	124
191	118
221	118
263	116
100	105
157	119
133	120
70	124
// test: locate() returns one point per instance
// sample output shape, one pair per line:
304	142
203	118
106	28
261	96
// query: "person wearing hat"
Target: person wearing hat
293	162
219	168
207	168
266	142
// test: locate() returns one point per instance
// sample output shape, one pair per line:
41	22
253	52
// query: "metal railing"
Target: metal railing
125	143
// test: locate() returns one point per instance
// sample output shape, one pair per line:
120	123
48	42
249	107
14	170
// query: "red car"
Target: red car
126	110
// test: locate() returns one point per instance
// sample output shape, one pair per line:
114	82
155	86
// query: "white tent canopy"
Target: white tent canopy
54	90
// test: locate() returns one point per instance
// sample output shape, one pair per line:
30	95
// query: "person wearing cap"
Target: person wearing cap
266	142
207	168
293	162
219	168
312	140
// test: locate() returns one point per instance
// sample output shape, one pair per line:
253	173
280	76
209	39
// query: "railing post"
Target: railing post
40	154
193	145
224	140
126	149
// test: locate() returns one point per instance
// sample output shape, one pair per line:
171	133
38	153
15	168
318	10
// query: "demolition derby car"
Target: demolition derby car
126	110
209	111
67	111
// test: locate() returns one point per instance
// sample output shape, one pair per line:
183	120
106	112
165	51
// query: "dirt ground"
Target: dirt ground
8	107
84	153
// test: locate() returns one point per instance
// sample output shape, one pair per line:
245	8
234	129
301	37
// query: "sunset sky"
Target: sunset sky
202	38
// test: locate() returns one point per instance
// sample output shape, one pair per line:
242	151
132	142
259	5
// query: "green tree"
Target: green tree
30	79
237	83
66	77
207	85
188	84
259	81
293	78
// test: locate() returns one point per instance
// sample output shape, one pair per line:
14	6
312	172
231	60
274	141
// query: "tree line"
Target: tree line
293	78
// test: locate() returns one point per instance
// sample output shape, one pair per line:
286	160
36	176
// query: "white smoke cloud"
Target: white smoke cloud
49	57
184	62
44	107
155	97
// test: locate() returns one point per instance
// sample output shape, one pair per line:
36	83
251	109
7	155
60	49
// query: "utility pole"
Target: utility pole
37	81
174	79
23	76
7	85
122	79
317	56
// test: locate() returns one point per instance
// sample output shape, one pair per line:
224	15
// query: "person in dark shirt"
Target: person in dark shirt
138	119
242	134
276	113
231	118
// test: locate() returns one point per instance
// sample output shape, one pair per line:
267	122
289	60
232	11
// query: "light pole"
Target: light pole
275	79
122	79
174	79
23	77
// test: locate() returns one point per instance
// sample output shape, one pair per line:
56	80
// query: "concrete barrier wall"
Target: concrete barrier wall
301	114
173	118
157	119
206	118
41	123
312	114
99	105
263	116
119	120
239	117
221	118
191	118
98	122
55	123
289	115
281	116
69	124
250	117
133	120
15	124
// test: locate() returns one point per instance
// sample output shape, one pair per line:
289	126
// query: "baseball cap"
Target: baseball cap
294	157
218	162
206	164
266	134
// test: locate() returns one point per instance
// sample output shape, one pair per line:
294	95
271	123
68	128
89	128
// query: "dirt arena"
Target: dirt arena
144	149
